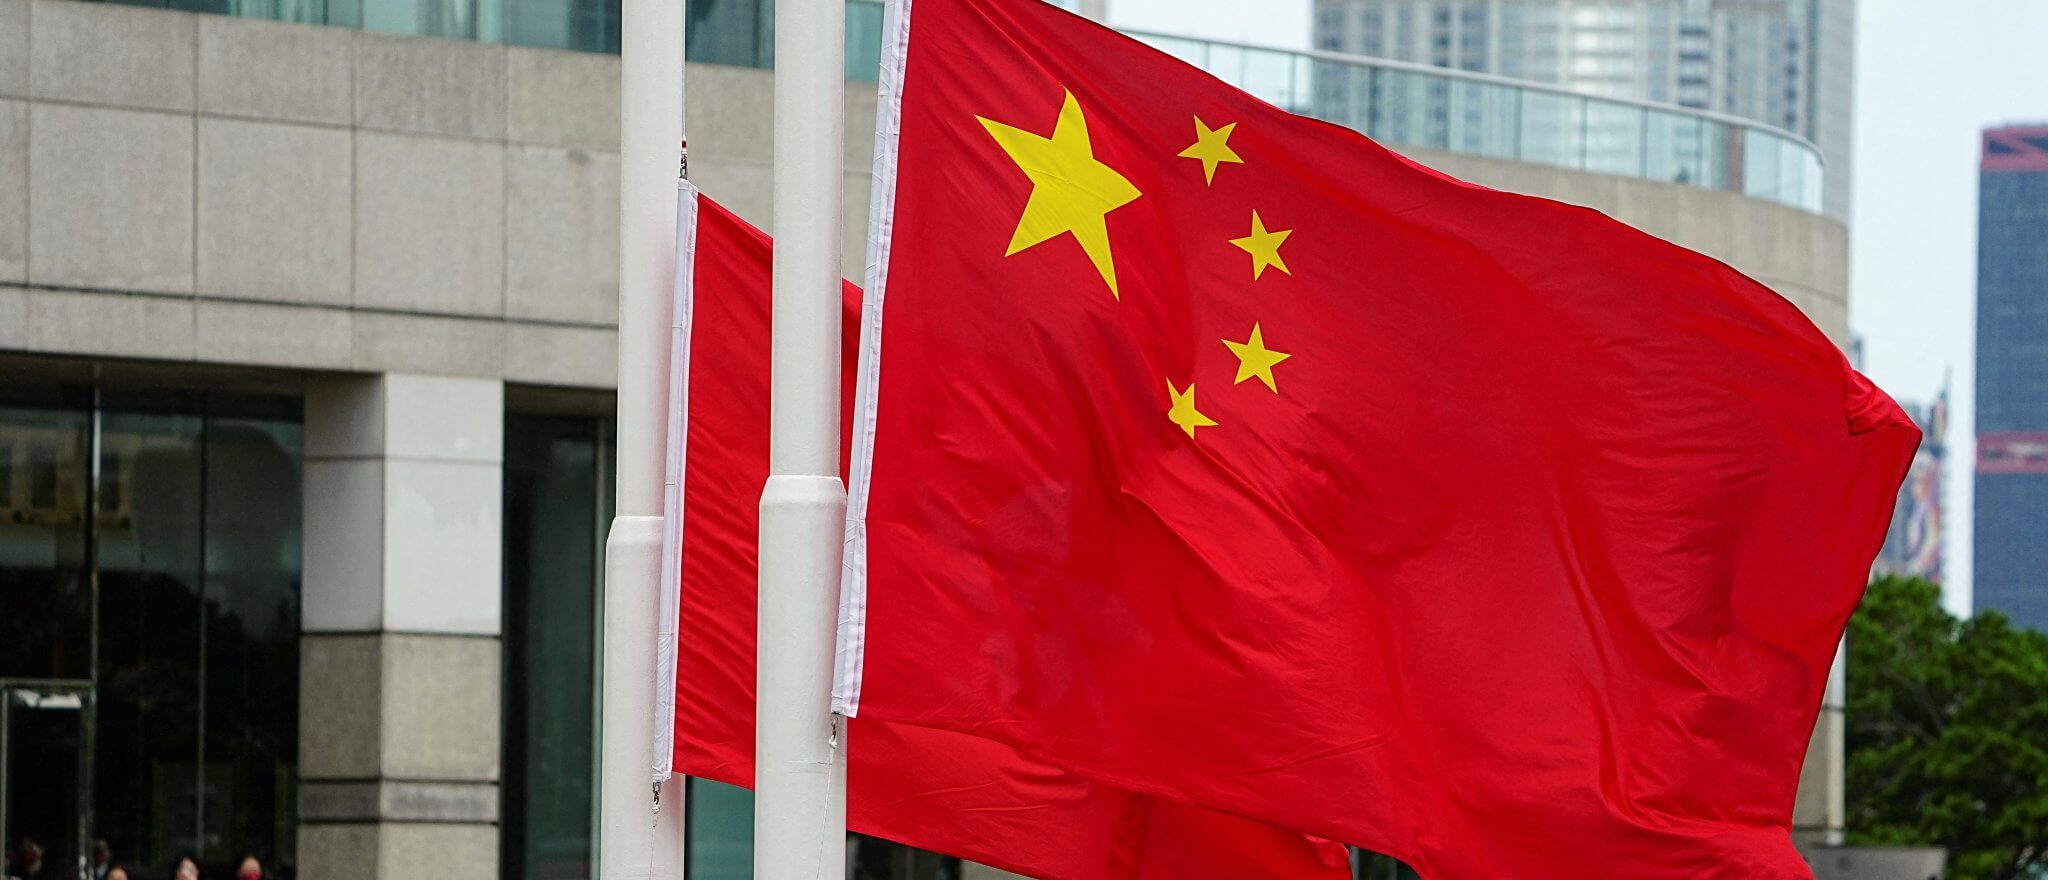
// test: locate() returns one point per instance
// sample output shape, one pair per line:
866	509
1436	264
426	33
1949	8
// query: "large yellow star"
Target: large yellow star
1264	247
1183	412
1255	359
1071	192
1211	146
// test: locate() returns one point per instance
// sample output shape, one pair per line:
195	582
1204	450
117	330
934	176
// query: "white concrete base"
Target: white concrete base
636	842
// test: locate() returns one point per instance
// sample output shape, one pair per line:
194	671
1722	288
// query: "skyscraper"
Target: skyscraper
1785	63
2012	375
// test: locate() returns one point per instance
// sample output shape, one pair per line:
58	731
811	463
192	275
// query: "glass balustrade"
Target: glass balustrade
1404	105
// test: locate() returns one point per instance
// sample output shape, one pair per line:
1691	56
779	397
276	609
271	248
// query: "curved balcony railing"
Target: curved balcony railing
1413	105
1432	108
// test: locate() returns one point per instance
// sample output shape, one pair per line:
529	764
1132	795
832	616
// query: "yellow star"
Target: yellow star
1255	359
1211	146
1264	247
1183	412
1071	192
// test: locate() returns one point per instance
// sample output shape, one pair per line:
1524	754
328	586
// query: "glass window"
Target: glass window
1553	129
152	617
43	762
47	630
558	480
1225	62
1674	149
584	25
1761	161
428	18
1614	138
719	843
1410	109
1483	118
251	502
1343	93
1806	188
735	32
1368	865
345	13
198	547
1273	77
863	41
1716	143
155	536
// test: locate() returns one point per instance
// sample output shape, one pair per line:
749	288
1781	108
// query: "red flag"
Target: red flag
1218	453
934	789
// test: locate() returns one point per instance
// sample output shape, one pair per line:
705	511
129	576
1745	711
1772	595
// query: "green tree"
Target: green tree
1948	733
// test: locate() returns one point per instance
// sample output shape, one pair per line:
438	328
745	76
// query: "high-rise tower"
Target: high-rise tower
2012	375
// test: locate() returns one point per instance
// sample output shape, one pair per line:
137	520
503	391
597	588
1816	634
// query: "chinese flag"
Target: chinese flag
1222	455
943	791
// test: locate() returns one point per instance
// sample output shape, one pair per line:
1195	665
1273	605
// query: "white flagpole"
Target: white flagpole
800	752
640	830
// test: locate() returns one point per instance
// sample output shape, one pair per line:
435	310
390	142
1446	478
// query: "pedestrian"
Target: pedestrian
102	866
27	859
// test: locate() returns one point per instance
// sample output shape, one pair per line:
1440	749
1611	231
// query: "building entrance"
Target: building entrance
149	585
45	763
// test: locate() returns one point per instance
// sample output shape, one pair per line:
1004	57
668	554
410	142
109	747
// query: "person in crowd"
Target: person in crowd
116	872
102	864
185	868
26	861
251	869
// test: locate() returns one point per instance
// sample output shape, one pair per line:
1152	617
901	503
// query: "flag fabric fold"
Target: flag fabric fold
948	792
1221	455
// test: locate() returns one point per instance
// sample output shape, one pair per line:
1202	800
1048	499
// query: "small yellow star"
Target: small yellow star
1255	359
1183	412
1072	192
1264	246
1211	146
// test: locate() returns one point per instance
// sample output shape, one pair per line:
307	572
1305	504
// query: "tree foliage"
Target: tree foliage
1948	733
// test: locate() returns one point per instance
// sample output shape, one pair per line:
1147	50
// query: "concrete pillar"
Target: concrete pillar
1820	812
399	662
1095	9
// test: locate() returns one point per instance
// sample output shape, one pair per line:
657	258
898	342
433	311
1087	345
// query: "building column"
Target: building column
399	680
1818	815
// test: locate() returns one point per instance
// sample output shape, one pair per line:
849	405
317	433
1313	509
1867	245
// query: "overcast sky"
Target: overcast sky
1930	76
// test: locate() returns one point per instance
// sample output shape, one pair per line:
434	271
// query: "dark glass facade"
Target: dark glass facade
720	845
735	32
149	568
558	480
742	33
580	25
2012	376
